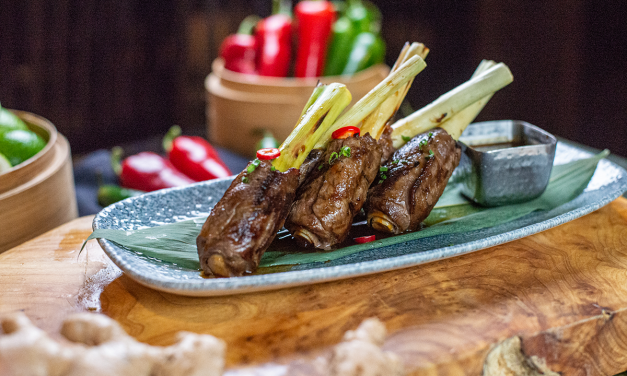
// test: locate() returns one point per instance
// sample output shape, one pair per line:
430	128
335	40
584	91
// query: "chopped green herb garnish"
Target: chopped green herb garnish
384	177
395	161
380	181
333	157
422	143
383	169
405	138
245	179
272	168
320	167
346	151
253	165
430	154
430	134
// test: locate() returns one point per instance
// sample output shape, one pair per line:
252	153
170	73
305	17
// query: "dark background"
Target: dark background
117	71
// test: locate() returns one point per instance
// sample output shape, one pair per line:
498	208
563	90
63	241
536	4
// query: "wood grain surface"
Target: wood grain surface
554	302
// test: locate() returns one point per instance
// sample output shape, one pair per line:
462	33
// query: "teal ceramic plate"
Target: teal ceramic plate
167	206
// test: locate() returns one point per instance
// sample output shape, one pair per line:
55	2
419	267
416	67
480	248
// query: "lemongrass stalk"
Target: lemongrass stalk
314	96
375	122
318	117
375	97
451	103
458	123
420	50
401	57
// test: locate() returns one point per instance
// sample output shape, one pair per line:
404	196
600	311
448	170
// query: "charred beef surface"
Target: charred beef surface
415	178
312	161
334	192
387	145
244	222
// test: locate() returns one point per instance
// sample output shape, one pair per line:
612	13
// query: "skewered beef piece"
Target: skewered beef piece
334	192
244	222
387	145
313	159
405	193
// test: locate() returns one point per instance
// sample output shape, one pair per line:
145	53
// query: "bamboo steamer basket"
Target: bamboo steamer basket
240	106
38	194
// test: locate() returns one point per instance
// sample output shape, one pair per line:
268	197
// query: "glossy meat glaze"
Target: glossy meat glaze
334	192
412	182
244	222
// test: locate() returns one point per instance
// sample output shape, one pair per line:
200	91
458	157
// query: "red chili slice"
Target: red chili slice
365	239
345	132
268	153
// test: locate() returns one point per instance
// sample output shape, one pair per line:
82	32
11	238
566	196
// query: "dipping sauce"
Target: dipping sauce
498	146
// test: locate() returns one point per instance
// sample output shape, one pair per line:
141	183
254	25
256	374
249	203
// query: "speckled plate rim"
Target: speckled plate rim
274	281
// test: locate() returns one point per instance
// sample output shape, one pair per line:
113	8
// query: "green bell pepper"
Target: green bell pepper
367	49
356	18
110	193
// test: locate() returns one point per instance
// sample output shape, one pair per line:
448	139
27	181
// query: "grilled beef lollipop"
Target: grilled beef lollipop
409	186
334	188
411	183
334	192
245	221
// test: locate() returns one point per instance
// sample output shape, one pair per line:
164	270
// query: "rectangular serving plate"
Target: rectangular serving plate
172	205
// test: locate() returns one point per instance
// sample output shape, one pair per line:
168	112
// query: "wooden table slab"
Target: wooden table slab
558	298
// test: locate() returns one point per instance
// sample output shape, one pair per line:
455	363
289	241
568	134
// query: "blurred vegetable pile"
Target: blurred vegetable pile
317	38
189	159
17	142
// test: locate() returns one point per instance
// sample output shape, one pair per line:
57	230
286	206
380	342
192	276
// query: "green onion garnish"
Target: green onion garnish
253	165
346	151
333	157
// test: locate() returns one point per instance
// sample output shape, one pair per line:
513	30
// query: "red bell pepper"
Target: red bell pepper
315	22
194	156
274	41
239	50
147	171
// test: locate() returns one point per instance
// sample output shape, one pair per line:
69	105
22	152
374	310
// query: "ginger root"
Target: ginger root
97	345
360	353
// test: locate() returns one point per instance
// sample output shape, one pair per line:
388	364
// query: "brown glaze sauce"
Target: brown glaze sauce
499	146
